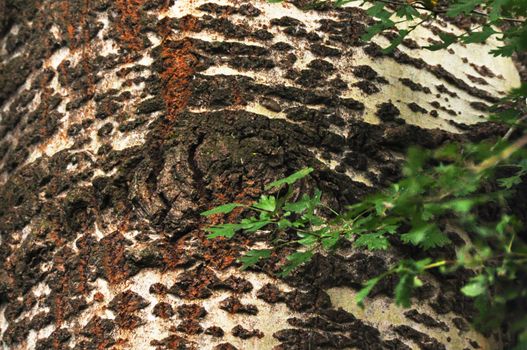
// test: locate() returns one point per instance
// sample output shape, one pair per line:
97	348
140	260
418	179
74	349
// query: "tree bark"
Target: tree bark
122	120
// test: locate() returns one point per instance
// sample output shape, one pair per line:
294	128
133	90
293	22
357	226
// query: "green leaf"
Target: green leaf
435	239
403	290
223	230
252	225
503	224
417	282
377	28
509	182
426	236
376	9
290	179
252	257
314	220
295	260
407	11
298	206
267	203
304	203
416	236
222	209
462	6
476	286
463	205
479	37
368	286
308	240
283	224
447	38
330	239
497	5
505	51
397	41
374	241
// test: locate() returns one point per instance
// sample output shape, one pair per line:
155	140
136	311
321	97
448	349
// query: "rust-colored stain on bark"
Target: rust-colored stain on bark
129	23
114	263
178	63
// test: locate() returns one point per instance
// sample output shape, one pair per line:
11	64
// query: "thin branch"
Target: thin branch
442	11
513	128
509	132
504	154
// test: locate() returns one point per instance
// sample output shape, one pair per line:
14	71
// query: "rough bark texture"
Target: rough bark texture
122	120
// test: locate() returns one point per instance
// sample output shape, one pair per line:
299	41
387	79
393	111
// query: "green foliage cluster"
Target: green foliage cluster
446	187
502	18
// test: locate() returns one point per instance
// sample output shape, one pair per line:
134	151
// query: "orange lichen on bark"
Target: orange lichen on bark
64	10
173	255
114	263
173	342
98	297
219	252
188	23
179	65
128	23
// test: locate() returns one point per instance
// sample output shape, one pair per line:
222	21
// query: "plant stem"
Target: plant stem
443	11
504	154
437	264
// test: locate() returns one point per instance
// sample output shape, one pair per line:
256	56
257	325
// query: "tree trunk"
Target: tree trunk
122	120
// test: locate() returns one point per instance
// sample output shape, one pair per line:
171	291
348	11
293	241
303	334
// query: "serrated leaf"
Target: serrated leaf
495	12
330	239
295	260
417	282
252	257
223	230
475	287
407	11
416	236
403	290
462	6
283	224
435	239
368	286
376	29
504	51
376	9
426	236
308	240
222	209
374	241
298	206
397	41
252	225
291	179
267	203
480	36
306	202
314	220
447	38
509	182
463	205
502	225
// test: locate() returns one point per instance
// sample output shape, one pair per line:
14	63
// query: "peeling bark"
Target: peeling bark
121	121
